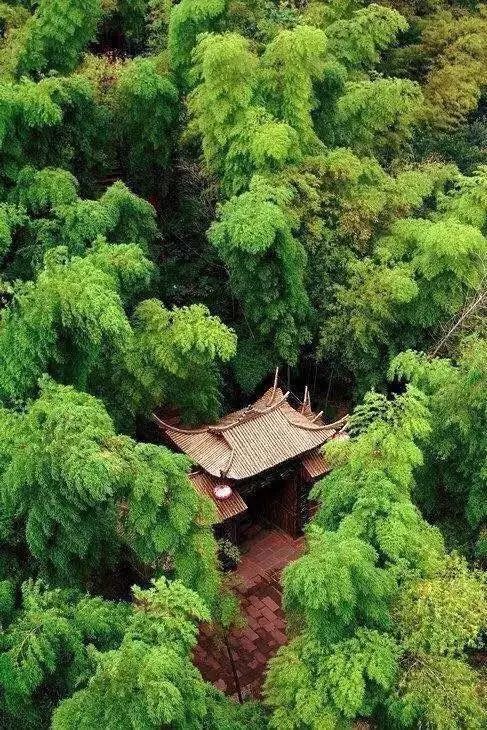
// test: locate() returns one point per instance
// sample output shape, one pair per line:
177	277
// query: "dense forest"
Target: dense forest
191	195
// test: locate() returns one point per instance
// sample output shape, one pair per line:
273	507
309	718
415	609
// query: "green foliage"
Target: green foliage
159	14
45	649
326	690
456	42
266	265
465	144
468	200
51	123
265	112
421	274
357	333
10	218
442	692
49	214
290	64
446	258
368	493
222	107
446	613
81	492
318	174
188	19
7	601
254	114
12	16
137	686
129	19
452	482
118	664
358	40
381	615
361	200
145	108
71	320
377	116
72	323
335	587
149	682
185	344
57	34
39	191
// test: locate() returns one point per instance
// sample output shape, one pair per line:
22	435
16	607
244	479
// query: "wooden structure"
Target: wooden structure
258	463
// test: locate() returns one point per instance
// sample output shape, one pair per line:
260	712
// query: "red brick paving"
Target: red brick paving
257	579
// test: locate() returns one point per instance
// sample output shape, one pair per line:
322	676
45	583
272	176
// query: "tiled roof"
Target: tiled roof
315	464
226	508
254	439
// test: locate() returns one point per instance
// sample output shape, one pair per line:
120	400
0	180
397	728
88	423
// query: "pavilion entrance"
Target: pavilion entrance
276	505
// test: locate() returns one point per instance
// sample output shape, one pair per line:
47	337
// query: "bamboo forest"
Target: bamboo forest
243	365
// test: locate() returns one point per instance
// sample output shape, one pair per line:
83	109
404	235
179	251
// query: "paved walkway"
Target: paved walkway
264	555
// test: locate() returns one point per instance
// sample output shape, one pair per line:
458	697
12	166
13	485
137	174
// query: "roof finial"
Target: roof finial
274	387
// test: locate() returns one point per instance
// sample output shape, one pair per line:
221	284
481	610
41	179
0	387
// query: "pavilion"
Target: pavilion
258	463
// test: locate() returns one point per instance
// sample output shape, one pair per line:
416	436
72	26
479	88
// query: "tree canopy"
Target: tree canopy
382	615
193	194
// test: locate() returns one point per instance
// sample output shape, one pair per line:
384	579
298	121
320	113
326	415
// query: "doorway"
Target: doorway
275	506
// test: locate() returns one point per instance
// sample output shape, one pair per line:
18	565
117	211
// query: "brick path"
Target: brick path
257	583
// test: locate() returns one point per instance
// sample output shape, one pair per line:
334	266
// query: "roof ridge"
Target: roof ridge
310	426
175	429
225	471
248	415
